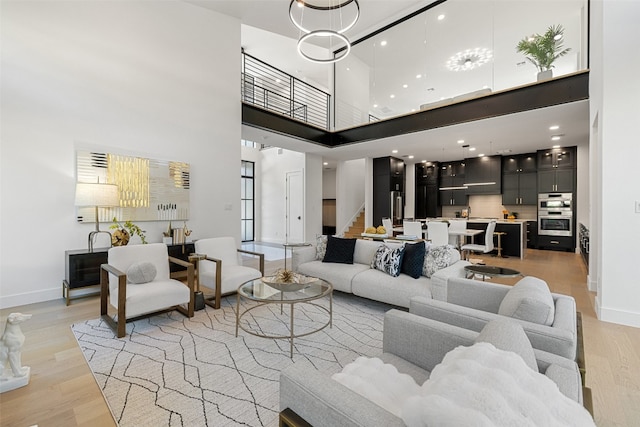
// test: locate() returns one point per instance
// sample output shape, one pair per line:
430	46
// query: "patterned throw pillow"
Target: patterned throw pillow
413	259
321	247
439	257
388	260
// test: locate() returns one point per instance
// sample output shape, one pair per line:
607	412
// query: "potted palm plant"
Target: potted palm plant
543	49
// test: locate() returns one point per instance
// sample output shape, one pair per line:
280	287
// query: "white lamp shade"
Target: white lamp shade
95	194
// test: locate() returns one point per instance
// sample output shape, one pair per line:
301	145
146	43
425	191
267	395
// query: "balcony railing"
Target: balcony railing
273	89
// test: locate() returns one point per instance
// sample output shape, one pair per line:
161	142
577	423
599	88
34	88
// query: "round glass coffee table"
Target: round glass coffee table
490	271
292	293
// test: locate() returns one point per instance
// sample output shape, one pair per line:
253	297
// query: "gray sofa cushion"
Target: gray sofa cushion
378	286
530	300
141	272
339	275
508	335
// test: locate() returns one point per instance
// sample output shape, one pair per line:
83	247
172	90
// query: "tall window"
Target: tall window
247	211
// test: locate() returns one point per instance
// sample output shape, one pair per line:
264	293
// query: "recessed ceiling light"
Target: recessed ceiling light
325	163
383	43
405	86
554	127
461	141
481	155
394	151
418	76
555	138
375	105
413	110
440	17
556	146
411	156
472	149
424	161
348	69
392	96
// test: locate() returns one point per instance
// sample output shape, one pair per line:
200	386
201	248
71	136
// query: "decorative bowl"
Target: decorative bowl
298	282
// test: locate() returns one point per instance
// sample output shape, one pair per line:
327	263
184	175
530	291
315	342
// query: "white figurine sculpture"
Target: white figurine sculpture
10	354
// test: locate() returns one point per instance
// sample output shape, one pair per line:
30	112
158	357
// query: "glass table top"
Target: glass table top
258	290
492	270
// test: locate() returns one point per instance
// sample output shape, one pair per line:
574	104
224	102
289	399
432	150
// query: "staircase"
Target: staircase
357	227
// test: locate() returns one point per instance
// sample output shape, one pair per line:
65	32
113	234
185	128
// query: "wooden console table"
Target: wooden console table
82	268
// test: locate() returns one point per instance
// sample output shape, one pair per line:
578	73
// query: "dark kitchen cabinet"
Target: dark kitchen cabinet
452	178
519	180
388	176
426	191
483	175
558	180
560	243
557	158
532	234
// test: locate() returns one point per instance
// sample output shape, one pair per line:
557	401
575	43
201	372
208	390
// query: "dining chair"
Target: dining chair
488	242
438	233
456	225
412	228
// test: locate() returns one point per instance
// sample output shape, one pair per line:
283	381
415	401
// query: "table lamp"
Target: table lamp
96	195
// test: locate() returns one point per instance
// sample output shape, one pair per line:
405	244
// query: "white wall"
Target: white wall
350	192
329	184
135	76
614	91
273	183
312	197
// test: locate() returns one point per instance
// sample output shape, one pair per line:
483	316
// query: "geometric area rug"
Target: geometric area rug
173	371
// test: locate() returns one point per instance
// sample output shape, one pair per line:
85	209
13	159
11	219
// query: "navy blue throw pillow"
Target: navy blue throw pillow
339	250
413	259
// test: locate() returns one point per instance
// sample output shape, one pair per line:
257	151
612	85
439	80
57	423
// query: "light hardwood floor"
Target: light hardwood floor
63	392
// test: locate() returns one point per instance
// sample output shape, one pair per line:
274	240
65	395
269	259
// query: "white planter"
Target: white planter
545	75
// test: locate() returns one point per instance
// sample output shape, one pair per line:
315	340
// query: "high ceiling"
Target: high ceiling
272	37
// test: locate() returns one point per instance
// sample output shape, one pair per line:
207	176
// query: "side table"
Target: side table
292	246
199	296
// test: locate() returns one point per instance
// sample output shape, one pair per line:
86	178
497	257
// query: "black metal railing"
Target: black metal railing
273	89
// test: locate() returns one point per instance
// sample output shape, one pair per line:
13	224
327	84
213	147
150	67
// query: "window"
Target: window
247	198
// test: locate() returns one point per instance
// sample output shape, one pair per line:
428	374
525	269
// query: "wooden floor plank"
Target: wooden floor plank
63	392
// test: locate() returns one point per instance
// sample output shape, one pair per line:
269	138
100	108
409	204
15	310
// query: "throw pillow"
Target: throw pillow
439	257
339	250
530	299
508	335
321	246
388	260
413	259
141	272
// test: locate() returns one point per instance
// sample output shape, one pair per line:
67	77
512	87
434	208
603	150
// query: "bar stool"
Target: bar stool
499	247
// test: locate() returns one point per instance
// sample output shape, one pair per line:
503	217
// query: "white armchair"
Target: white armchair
136	281
222	269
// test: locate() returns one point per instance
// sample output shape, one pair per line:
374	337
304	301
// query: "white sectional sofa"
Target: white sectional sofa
362	280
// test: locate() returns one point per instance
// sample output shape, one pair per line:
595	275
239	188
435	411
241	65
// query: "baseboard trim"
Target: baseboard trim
620	317
9	301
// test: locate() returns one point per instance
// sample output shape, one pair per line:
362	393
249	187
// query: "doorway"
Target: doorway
295	207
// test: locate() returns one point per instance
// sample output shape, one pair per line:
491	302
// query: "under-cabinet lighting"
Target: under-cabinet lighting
464	187
473	184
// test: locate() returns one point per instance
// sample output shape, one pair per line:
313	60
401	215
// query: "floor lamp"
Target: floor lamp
96	195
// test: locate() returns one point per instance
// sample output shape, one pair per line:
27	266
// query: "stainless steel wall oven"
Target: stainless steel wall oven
555	214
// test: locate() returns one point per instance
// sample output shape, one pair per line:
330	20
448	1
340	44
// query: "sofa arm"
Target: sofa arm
302	255
421	341
440	278
564	372
321	401
551	339
476	294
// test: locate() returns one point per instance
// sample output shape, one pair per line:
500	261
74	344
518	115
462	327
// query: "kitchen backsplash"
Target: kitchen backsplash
491	207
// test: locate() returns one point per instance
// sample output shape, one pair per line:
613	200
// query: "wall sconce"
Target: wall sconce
96	195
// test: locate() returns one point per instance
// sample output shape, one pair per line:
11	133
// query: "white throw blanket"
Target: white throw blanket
473	386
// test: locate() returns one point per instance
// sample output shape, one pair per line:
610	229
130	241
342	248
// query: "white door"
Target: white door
295	207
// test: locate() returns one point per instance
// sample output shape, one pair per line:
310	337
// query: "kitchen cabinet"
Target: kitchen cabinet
388	177
452	176
426	191
519	180
557	158
480	172
561	243
558	181
532	234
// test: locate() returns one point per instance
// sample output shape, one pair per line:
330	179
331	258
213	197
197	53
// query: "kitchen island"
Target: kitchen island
514	241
